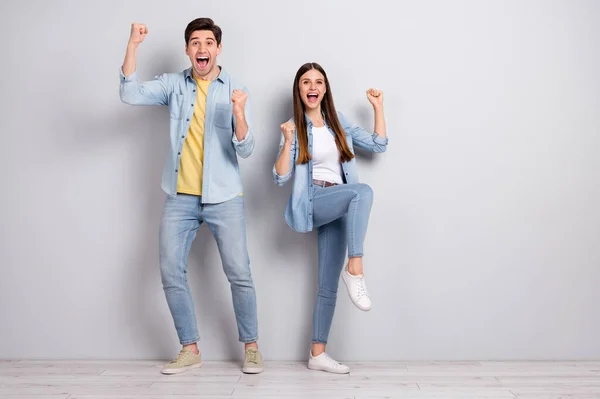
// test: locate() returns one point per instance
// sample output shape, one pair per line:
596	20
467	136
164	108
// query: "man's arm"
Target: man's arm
136	37
243	138
131	90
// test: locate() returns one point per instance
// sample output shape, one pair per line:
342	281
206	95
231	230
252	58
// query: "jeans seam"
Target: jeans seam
184	275
321	272
352	231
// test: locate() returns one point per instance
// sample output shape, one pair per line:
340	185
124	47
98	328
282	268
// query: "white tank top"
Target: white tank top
325	156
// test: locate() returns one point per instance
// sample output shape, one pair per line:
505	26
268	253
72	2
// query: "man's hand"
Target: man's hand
138	33
238	98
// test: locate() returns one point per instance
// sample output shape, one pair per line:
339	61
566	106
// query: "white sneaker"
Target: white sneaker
324	362
357	289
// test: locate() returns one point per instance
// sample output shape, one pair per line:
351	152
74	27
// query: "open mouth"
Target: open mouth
202	62
312	97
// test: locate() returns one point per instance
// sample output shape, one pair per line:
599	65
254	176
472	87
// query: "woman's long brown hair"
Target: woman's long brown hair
329	112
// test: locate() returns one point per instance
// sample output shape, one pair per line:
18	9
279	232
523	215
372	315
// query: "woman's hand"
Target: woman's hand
375	98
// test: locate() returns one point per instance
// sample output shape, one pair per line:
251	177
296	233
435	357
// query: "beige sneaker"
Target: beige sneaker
183	362
253	362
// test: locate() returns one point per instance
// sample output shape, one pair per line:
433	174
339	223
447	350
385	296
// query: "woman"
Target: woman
317	146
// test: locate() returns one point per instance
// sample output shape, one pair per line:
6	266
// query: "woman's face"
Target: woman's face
312	88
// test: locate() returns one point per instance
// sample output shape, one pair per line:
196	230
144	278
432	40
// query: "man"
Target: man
209	127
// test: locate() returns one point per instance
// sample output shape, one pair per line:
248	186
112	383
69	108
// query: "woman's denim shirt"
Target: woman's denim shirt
299	211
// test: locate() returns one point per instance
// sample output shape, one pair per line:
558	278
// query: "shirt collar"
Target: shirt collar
223	75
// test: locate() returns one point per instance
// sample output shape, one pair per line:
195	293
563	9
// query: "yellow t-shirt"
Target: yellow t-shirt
189	180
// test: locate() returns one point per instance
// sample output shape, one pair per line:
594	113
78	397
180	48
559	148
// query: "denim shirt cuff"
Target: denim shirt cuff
129	78
279	179
245	141
377	139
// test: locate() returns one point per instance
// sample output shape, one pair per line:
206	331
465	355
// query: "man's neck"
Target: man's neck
212	75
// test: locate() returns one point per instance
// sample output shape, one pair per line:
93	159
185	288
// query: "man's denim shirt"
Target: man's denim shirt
299	211
221	179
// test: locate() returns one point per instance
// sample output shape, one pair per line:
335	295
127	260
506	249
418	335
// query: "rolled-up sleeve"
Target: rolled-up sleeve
134	92
363	139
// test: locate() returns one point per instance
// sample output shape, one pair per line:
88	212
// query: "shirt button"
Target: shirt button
182	137
178	153
176	171
187	120
192	105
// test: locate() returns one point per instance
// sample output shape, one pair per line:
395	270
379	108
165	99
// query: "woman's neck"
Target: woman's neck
315	116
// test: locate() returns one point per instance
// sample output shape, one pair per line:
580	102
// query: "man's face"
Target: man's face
203	50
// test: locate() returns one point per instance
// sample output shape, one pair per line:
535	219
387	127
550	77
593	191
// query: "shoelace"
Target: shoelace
181	356
333	362
362	288
252	356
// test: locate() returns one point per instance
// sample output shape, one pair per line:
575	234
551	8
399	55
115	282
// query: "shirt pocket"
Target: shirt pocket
175	105
224	116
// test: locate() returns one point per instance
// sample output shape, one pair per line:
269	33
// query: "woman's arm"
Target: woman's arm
282	170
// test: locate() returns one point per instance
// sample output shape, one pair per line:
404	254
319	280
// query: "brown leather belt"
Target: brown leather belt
323	183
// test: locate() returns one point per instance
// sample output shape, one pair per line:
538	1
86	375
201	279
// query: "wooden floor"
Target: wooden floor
373	380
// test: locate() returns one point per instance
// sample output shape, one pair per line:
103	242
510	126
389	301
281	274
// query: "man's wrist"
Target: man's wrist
132	46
